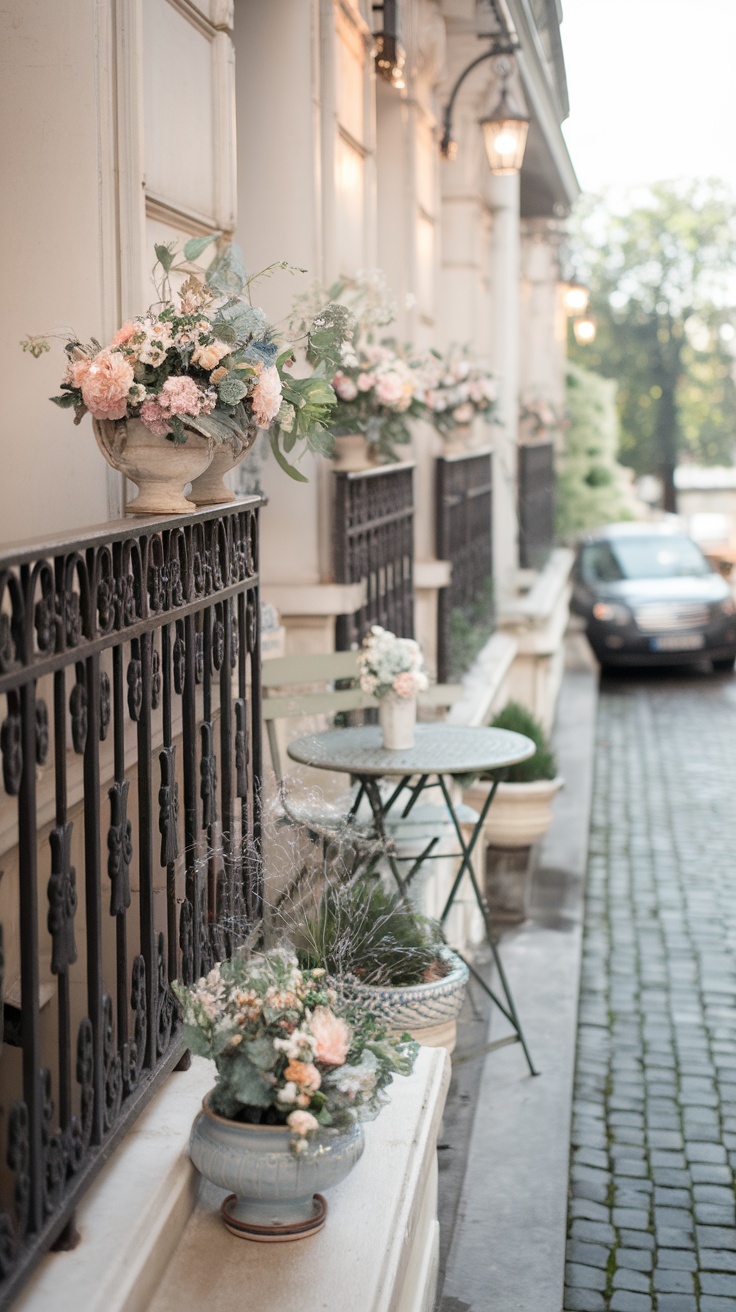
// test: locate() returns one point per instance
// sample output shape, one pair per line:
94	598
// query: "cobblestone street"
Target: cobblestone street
652	1222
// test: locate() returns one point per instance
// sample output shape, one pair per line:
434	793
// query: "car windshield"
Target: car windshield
643	558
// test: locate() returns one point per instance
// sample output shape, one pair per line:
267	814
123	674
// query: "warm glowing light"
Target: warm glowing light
505	142
576	298
585	330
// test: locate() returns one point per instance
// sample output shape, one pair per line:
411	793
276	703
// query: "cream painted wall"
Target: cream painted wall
55	161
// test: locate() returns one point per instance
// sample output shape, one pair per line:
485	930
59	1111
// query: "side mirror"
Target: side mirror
725	567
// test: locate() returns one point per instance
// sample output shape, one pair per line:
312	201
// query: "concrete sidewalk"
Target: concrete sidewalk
504	1152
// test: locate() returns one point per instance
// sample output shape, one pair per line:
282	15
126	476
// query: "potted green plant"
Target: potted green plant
298	1068
521	809
383	954
520	813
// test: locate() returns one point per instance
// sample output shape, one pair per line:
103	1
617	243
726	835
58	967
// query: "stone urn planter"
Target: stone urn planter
210	488
428	1012
352	453
520	814
397	717
160	469
275	1191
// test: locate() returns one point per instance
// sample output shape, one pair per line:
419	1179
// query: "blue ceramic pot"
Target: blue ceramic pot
274	1186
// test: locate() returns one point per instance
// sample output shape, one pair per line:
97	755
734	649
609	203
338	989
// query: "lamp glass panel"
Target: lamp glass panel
505	143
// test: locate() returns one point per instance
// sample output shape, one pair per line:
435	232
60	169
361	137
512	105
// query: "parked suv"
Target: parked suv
651	598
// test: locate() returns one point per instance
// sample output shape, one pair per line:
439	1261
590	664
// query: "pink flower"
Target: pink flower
365	382
462	414
180	396
390	388
106	384
77	370
128	329
154	418
266	396
345	387
332	1037
405	685
302	1122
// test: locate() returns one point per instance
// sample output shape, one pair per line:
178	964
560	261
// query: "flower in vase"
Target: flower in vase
345	387
208	357
331	1035
105	385
266	397
463	414
302	1122
405	684
154	418
180	396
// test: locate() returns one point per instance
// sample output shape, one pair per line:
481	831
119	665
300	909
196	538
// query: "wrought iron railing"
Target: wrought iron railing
129	679
374	544
536	503
464	498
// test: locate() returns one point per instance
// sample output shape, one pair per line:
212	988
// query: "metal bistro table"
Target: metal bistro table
440	753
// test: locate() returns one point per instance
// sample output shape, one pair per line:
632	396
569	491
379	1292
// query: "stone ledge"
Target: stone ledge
432	573
484	681
144	1249
315	598
378	1250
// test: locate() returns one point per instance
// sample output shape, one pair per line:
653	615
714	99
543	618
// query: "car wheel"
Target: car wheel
724	666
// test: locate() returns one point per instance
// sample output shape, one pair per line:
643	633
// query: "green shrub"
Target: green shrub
542	764
590	484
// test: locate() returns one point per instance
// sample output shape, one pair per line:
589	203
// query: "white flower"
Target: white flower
288	1094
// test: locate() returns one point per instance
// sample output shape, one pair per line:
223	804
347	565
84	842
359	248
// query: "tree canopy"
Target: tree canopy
661	267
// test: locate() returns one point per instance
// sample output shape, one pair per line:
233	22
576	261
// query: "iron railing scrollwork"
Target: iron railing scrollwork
374	544
536	503
464	504
130	822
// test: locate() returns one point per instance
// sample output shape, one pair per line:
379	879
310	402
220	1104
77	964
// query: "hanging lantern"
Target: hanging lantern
585	330
504	134
575	298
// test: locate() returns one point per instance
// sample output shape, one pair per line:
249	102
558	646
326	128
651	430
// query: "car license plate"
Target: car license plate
678	642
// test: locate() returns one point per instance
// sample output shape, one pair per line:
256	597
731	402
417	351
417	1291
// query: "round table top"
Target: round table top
438	749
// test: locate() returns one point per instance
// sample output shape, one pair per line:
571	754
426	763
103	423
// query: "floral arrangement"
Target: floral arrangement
391	666
375	382
207	361
455	389
541	417
287	1051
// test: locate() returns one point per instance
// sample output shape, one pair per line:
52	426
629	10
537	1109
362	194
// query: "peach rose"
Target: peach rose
302	1122
332	1037
208	357
304	1075
154	418
404	685
128	330
106	384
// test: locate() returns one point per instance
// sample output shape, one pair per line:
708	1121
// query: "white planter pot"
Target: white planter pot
397	717
352	453
520	814
160	469
210	489
428	1012
274	1194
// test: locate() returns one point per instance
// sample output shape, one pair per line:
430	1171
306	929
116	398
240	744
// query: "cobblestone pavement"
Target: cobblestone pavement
652	1221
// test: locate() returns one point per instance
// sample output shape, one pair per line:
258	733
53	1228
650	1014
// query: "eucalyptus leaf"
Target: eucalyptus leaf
194	247
226	273
283	463
249	1086
66	400
164	255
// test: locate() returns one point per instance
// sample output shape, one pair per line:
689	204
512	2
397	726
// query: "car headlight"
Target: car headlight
727	607
612	612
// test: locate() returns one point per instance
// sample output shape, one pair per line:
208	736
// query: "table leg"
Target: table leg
509	1011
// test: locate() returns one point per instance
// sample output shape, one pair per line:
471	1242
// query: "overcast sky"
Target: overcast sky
652	90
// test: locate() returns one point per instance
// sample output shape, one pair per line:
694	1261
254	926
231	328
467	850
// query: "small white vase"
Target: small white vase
352	453
397	717
210	489
160	469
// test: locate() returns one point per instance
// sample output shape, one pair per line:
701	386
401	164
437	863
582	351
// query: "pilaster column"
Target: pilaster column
504	270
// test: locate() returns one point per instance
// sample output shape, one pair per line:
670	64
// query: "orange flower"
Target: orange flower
303	1074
